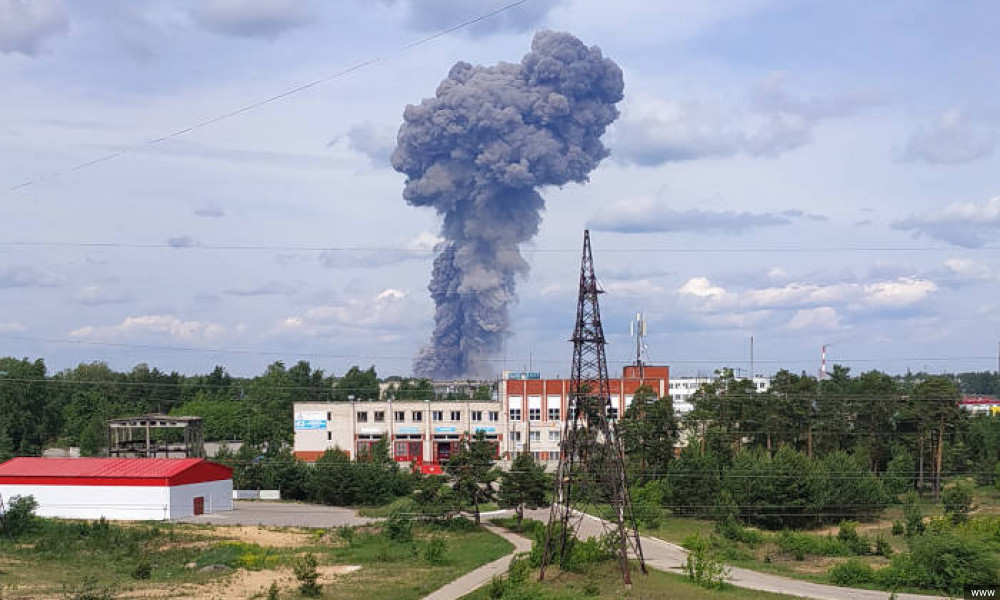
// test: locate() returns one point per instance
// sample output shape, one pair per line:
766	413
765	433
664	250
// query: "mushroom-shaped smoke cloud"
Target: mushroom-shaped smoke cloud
477	152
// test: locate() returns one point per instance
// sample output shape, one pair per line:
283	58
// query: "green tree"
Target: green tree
93	438
472	473
934	405
6	446
361	385
649	433
523	486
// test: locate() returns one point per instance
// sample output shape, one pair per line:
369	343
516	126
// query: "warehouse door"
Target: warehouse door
199	505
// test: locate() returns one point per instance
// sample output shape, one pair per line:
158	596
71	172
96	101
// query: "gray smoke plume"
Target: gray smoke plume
477	152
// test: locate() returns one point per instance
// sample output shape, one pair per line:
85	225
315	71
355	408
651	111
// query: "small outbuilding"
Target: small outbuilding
127	489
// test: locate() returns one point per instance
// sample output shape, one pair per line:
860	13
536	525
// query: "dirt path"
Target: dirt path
476	579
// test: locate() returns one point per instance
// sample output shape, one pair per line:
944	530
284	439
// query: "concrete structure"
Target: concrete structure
682	388
527	416
127	489
148	436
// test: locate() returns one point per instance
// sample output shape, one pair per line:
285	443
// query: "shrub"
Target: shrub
273	593
90	589
898	528
851	573
913	515
701	567
848	534
732	530
398	527
883	547
957	501
801	544
946	562
347	534
143	570
20	516
307	574
434	550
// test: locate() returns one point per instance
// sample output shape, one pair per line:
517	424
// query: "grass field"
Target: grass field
55	560
604	583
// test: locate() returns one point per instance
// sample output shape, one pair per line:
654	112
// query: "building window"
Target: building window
494	416
515	435
380	416
537	456
362	417
437	415
554	455
553	414
612	412
476	415
554	436
417	416
515	414
456	415
329	436
534	436
329	416
400	416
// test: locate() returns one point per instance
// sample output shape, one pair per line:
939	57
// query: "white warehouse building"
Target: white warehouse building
125	489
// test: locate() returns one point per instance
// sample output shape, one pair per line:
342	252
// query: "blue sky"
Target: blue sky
806	173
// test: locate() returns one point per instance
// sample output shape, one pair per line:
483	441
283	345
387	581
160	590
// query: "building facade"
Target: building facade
527	416
682	388
125	489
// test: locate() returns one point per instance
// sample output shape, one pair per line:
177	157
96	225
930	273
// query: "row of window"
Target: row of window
536	436
417	416
534	414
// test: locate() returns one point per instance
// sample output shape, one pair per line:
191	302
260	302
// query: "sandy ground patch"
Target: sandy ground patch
240	585
276	538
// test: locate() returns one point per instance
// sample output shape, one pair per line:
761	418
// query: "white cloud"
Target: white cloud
636	288
26	24
252	18
822	318
154	325
953	138
268	288
645	215
968	268
900	292
374	140
771	122
389	309
966	224
418	248
16	276
95	295
11	327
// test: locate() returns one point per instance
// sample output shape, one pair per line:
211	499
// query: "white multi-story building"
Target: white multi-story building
526	416
682	388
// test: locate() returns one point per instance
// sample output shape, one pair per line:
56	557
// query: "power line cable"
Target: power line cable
270	99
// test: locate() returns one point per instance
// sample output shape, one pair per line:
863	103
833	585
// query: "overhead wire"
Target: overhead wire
270	99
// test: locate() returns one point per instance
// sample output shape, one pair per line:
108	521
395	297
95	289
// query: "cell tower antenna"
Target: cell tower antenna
591	458
637	329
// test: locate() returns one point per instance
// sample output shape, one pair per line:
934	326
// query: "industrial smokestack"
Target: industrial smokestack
478	152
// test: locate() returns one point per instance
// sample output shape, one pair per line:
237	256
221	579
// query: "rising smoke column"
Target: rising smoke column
477	152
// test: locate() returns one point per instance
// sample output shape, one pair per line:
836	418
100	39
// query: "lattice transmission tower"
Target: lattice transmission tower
591	467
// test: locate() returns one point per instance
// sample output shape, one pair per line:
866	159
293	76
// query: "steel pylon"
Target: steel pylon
591	460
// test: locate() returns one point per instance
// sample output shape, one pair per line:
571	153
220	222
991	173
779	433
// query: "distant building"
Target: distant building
526	415
683	388
123	489
989	405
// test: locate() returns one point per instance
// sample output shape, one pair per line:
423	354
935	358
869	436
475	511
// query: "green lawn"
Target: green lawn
606	581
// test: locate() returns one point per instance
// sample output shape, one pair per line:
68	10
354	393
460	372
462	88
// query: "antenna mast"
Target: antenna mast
591	458
637	329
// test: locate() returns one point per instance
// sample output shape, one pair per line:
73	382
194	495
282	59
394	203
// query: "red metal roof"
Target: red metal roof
111	471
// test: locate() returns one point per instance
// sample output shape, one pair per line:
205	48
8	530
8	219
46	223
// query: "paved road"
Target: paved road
665	556
474	580
281	514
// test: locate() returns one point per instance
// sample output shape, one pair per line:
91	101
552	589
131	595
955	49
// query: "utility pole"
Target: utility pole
591	457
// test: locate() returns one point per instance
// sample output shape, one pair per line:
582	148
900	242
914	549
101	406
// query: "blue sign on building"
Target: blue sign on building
309	424
484	429
407	430
445	430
